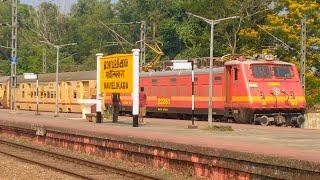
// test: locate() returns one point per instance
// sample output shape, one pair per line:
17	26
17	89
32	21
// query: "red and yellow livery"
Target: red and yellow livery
246	90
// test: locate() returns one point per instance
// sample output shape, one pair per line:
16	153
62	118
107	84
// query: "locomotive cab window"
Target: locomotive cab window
261	71
281	71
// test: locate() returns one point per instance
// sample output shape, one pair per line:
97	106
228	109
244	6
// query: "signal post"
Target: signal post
135	96
99	95
187	65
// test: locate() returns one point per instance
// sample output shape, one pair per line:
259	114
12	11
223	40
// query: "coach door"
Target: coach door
86	94
232	86
228	86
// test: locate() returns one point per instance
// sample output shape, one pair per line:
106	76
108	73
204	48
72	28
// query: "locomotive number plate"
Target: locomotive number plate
273	84
163	101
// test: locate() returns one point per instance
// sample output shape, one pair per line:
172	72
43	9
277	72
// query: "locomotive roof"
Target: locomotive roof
91	75
66	76
180	72
250	61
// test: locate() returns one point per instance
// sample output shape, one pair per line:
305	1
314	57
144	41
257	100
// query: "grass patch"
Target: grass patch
217	128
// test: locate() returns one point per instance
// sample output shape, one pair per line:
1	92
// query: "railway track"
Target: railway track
73	166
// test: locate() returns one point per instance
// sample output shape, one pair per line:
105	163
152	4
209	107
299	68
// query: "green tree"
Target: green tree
285	23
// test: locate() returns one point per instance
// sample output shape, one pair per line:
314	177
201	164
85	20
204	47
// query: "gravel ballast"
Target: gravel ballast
12	168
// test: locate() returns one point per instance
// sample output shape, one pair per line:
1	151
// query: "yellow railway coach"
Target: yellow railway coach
4	88
72	86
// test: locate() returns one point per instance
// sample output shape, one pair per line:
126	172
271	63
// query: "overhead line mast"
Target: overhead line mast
14	37
303	52
142	43
44	60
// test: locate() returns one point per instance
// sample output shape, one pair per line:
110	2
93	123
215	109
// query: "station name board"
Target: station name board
116	73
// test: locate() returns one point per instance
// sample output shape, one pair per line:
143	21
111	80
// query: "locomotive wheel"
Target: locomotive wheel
300	120
264	120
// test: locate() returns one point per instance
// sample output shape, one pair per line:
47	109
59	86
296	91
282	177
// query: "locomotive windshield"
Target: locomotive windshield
267	71
261	71
282	71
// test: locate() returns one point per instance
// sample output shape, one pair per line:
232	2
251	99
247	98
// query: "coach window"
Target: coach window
48	94
75	94
22	94
51	93
41	94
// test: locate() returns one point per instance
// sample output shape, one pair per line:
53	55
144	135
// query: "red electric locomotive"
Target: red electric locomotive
264	91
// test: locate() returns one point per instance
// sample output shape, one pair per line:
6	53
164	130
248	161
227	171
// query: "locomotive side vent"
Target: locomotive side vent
154	81
173	80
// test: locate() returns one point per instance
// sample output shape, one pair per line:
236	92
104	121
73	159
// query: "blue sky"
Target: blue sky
64	4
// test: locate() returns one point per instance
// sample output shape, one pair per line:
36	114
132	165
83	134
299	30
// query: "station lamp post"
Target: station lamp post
212	23
58	47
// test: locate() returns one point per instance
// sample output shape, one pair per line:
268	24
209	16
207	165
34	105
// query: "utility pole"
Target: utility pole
142	43
14	36
44	60
212	23
303	52
58	47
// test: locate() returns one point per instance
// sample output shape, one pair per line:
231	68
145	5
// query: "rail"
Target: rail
74	166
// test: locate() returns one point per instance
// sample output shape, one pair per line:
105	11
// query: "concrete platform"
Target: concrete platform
277	146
